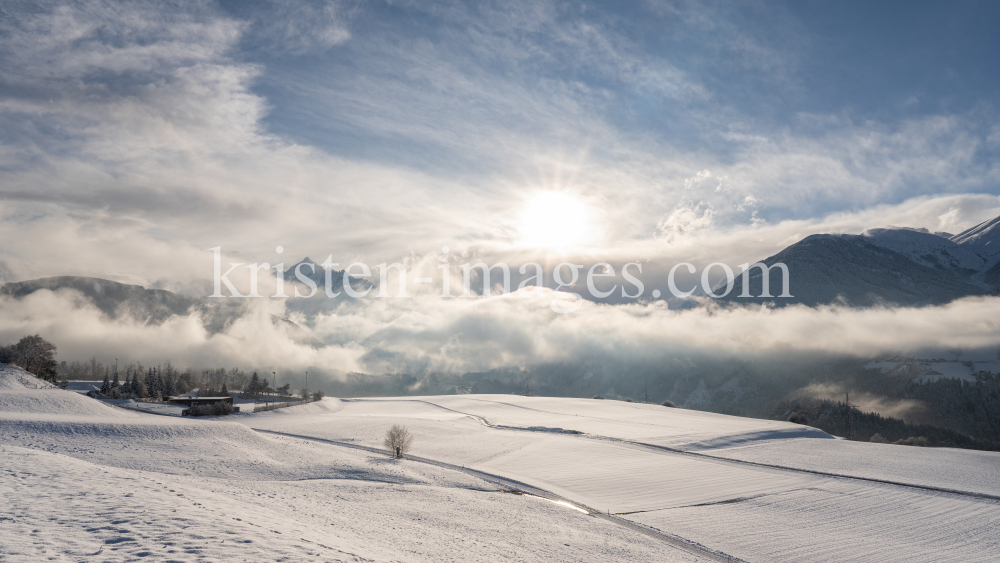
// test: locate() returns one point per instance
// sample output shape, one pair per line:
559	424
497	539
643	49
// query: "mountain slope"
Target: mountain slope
851	269
928	250
121	301
317	274
983	239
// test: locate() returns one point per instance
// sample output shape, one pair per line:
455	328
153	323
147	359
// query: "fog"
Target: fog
424	334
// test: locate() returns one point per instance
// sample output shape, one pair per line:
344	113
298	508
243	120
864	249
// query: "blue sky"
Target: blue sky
755	66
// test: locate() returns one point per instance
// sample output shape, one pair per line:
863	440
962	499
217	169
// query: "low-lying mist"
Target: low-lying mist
426	334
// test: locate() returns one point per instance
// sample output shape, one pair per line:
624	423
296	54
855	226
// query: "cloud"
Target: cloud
297	27
424	334
910	410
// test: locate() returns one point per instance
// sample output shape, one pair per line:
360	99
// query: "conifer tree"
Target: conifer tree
150	383
127	386
138	387
106	386
254	387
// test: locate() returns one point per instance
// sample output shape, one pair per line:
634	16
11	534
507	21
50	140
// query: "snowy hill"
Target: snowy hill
605	481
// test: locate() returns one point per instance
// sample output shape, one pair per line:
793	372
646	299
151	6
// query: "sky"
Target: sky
135	136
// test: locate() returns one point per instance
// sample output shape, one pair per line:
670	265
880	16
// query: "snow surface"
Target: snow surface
883	366
949	468
84	481
98	483
717	503
928	249
992	367
984	239
952	370
842	522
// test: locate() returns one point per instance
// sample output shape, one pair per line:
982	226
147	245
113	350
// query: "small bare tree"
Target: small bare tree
398	440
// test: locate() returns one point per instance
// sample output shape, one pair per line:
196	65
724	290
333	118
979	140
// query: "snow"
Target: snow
607	467
984	239
953	370
992	367
955	469
105	484
883	366
842	522
928	249
84	481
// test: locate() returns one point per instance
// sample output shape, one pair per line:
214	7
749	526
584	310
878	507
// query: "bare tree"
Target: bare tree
398	440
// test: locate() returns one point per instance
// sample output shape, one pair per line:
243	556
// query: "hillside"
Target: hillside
123	301
596	481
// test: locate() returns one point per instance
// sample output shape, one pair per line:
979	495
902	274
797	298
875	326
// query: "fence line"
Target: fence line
281	405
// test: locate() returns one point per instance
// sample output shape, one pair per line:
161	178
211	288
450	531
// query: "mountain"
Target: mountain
984	239
930	250
850	269
119	301
317	274
883	267
114	299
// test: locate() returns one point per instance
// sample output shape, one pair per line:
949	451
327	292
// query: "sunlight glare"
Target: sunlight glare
554	220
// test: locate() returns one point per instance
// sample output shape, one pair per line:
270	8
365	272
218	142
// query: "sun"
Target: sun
554	220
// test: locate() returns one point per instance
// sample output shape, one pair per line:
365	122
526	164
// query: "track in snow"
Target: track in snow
517	486
665	449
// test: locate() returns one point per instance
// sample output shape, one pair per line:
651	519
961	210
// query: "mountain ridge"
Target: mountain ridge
893	266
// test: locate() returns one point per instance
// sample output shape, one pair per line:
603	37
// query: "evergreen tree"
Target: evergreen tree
127	386
252	390
138	387
116	384
225	390
150	383
106	386
160	385
168	386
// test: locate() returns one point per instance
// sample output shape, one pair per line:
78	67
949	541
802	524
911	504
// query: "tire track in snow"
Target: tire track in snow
678	542
667	449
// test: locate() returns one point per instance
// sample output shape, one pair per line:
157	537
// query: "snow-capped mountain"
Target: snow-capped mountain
983	239
851	270
884	266
317	274
931	250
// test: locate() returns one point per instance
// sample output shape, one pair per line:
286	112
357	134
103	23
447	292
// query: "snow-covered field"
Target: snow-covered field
82	480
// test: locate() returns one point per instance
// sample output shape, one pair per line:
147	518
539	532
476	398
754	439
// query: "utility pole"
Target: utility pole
274	381
849	419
